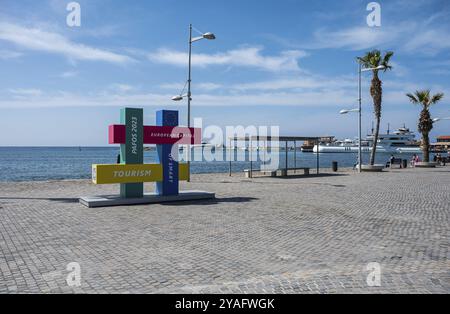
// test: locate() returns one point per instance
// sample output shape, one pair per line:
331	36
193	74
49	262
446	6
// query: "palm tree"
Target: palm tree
375	61
425	125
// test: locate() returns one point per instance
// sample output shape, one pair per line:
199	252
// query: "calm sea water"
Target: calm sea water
56	163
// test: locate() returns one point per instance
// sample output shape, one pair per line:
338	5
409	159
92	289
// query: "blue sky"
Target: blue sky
288	62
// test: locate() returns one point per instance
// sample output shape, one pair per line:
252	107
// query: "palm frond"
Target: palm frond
423	96
436	98
388	56
371	59
385	61
412	98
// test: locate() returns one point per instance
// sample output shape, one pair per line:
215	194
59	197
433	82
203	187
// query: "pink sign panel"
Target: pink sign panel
158	135
117	134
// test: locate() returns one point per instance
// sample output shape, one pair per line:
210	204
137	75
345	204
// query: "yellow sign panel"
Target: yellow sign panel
183	172
118	173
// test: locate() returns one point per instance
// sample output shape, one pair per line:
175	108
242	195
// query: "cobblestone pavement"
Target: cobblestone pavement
265	235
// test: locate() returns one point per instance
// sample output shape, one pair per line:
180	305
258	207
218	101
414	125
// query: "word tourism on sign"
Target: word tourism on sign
121	173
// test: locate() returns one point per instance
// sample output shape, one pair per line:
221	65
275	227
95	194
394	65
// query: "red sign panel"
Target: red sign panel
158	135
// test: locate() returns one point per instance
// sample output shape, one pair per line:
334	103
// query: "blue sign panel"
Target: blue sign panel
169	185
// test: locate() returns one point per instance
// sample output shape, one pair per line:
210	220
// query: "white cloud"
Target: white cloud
122	88
202	86
246	57
439	71
60	99
304	93
21	92
51	42
69	74
102	31
302	83
429	41
208	86
8	54
356	38
398	69
302	99
440	63
409	37
172	86
310	82
118	99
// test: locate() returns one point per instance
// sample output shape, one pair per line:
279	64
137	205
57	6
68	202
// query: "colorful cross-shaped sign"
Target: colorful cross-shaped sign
131	134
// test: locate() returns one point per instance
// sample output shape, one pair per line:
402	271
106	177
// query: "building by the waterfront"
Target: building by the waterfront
442	144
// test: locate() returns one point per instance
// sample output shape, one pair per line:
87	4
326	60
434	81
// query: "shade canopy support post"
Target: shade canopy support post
317	158
295	157
229	155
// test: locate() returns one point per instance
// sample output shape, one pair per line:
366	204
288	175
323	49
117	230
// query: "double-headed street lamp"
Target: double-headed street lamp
209	36
440	119
345	111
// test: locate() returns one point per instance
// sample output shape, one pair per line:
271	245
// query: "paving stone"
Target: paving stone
265	235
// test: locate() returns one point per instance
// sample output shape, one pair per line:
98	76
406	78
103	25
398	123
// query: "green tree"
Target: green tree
425	125
377	62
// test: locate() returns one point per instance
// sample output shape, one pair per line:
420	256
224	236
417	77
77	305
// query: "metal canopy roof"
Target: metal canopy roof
278	138
285	139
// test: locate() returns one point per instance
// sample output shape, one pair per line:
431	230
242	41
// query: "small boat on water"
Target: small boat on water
199	146
307	147
401	140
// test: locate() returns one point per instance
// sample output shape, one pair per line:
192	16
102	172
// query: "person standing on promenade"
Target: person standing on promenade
413	160
391	161
417	159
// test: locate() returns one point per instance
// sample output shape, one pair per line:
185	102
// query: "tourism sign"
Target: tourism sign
131	172
121	173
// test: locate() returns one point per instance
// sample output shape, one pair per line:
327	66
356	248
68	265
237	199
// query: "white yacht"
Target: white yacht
401	141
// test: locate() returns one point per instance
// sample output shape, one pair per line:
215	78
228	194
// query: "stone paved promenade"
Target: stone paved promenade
266	235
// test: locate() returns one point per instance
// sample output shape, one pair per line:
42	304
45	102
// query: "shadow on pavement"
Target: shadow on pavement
217	200
62	200
302	176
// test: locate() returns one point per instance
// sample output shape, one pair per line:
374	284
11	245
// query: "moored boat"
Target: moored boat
400	141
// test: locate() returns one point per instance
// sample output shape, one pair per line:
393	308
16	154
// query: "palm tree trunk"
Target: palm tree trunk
376	92
375	140
424	127
426	147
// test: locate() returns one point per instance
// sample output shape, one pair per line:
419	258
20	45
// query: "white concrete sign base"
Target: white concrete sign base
149	198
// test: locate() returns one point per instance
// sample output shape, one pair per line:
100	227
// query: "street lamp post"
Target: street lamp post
345	111
359	120
209	36
189	85
359	110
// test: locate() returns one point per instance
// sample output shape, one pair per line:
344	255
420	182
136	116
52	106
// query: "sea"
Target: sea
62	163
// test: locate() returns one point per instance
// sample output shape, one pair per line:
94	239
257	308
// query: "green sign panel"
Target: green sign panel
132	152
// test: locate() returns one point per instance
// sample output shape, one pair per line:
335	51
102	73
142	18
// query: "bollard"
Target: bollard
334	166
